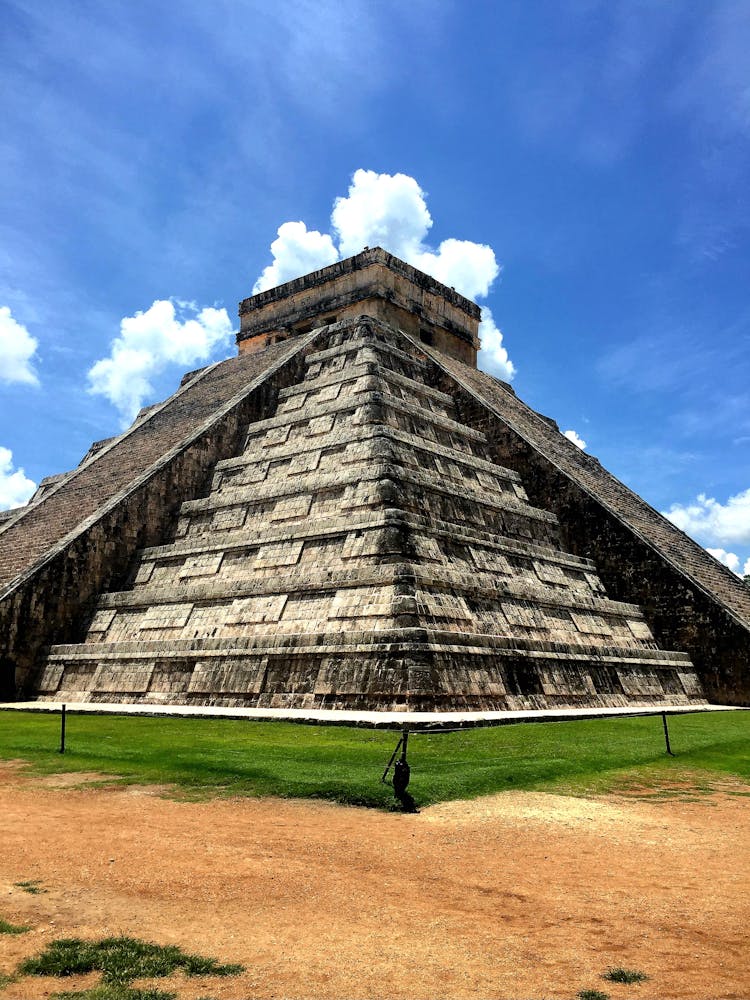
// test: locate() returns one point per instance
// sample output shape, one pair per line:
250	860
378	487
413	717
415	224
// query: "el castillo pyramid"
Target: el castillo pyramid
349	514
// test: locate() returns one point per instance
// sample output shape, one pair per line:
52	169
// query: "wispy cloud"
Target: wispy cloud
99	97
608	76
696	369
591	100
665	359
717	88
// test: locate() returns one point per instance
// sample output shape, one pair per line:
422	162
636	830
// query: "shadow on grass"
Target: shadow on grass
204	758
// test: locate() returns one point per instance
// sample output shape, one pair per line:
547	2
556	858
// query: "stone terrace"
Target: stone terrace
361	552
351	517
95	483
694	602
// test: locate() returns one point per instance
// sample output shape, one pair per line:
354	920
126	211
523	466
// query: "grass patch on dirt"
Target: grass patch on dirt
628	976
120	960
33	887
7	928
202	757
106	992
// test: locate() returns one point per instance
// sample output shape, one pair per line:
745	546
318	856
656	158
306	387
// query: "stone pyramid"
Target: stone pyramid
357	533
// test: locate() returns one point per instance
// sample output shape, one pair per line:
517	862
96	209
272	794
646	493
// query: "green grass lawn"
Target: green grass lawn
228	757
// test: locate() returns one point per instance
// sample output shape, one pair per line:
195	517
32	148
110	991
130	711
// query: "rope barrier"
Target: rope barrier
401	745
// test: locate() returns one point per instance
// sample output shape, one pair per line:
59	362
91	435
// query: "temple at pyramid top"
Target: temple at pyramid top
372	283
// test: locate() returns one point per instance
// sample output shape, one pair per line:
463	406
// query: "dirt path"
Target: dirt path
522	895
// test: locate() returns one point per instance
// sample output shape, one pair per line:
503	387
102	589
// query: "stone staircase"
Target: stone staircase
362	552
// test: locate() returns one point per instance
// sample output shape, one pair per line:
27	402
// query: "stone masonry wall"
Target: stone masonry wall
53	596
375	283
360	551
682	614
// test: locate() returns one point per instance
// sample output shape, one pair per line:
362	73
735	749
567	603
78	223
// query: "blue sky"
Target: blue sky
598	152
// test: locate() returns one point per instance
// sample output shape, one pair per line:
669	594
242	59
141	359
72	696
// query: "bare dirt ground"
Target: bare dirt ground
521	895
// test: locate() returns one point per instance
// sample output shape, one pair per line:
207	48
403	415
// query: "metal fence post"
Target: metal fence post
666	733
62	730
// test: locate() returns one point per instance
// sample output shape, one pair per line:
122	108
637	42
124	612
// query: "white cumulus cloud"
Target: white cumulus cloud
730	559
468	267
575	438
390	210
296	251
15	486
714	522
383	210
17	348
493	356
170	332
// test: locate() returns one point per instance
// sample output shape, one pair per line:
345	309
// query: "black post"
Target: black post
393	757
666	733
62	730
401	776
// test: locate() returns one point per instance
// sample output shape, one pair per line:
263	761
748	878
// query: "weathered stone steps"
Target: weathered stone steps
443	579
356	642
331	457
384	595
370	521
311	387
307	667
586	471
365	343
360	510
376	472
367	432
363	406
327	458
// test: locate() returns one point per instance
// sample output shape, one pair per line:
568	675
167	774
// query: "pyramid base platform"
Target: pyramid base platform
398	670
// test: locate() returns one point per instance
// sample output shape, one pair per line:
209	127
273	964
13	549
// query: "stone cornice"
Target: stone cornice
367	258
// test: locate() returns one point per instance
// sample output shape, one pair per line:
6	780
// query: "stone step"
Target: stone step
408	581
369	522
367	369
354	407
391	385
332	455
481	548
371	592
342	670
367	432
386	475
330	459
404	640
365	342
